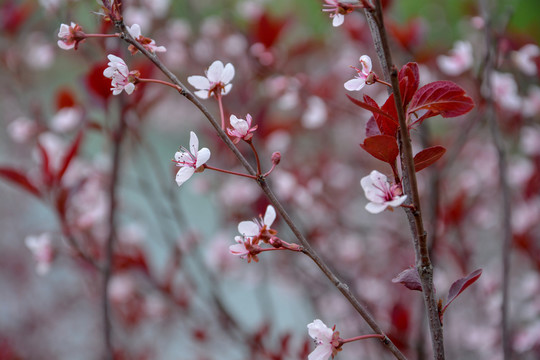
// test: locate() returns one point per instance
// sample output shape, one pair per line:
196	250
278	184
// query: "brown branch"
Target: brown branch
311	253
423	262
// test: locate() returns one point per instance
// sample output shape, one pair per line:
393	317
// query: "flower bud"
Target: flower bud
276	157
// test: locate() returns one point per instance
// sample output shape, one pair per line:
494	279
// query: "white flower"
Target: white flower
380	193
246	247
41	248
338	9
505	91
241	128
148	44
323	337
216	81
121	77
70	36
315	114
259	227
190	160
459	61
524	59
359	81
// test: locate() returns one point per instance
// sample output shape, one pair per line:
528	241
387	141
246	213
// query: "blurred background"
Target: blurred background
176	292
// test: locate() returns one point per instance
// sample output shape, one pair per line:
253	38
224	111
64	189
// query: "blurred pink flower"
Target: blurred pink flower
325	339
70	36
22	129
459	61
190	161
241	128
42	249
359	81
524	59
380	193
216	82
122	78
148	44
505	91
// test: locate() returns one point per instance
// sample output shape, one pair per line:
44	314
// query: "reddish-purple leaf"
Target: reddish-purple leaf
409	80
382	147
427	157
68	156
443	98
46	173
373	109
460	285
20	179
388	126
409	278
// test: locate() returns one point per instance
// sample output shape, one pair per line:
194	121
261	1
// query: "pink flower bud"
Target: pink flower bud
276	157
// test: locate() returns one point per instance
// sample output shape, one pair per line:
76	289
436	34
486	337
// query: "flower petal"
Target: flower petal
365	60
184	174
203	94
193	143
338	20
228	73
248	228
134	30
376	208
215	71
355	84
199	82
202	157
269	216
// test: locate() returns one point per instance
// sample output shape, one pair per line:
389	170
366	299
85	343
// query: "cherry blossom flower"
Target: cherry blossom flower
241	128
259	228
505	91
338	10
380	193
216	82
190	161
359	81
22	129
326	339
41	248
524	59
459	61
148	44
122	78
315	114
70	36
247	248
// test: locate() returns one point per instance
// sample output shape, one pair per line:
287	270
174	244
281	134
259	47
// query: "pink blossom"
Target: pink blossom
505	91
190	161
315	114
338	10
70	36
359	81
524	59
121	77
380	193
246	247
241	128
326	339
459	61
22	129
216	82
41	248
148	44
259	228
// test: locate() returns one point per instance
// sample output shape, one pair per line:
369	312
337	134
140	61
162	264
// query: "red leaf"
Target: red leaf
45	165
409	80
382	147
443	98
373	109
20	179
427	157
409	278
388	125
72	151
460	285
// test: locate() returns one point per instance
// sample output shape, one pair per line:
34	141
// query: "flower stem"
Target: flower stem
102	35
383	82
362	337
176	87
229	172
256	156
221	114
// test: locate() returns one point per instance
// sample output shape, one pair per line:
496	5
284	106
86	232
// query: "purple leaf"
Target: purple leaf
409	278
460	285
